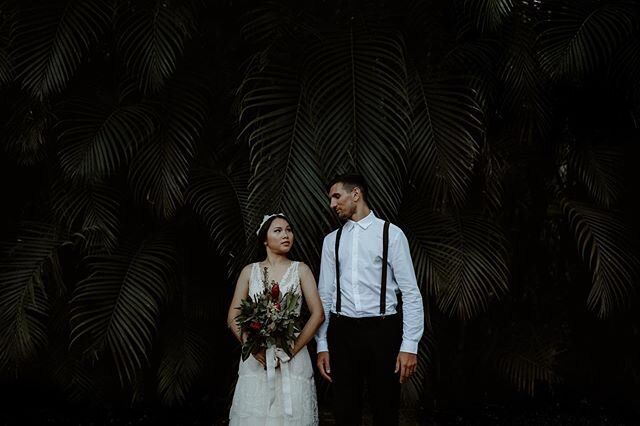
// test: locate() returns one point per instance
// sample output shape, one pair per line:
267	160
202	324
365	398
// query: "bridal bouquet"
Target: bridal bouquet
269	318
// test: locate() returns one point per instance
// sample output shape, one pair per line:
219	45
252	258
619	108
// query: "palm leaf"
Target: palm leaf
25	265
116	308
606	247
6	67
97	139
183	359
581	35
488	15
159	172
600	170
152	40
285	165
51	43
624	69
443	144
90	210
429	234
526	90
526	368
359	98
27	131
220	197
480	273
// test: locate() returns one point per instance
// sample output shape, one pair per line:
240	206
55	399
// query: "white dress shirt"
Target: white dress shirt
360	274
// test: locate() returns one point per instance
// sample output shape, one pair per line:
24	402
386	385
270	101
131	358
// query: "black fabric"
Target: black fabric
337	250
385	257
363	356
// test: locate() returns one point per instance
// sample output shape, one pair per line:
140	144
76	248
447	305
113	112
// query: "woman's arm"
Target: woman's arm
241	292
311	297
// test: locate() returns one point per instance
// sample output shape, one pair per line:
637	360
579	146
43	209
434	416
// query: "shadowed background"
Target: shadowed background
142	141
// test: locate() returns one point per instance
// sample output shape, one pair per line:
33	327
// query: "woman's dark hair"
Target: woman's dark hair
349	181
262	233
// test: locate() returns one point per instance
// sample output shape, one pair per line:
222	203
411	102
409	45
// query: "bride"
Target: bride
286	395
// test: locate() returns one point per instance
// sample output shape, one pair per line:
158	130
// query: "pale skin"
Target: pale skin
278	243
349	203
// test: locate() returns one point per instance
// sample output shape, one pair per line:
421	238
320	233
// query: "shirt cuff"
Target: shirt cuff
406	346
322	345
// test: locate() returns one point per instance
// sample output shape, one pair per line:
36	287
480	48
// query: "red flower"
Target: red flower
255	325
277	306
275	291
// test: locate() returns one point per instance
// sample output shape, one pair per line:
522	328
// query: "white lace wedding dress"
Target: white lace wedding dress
254	402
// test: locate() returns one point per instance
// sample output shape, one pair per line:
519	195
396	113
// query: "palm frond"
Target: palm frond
526	88
90	210
6	67
488	15
581	35
184	357
68	371
285	165
624	68
97	139
117	306
605	245
220	197
271	20
443	143
152	41
159	172
524	369
27	131
25	265
358	93
51	43
429	234
600	170
479	271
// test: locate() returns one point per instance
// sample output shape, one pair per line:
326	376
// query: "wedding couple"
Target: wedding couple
361	338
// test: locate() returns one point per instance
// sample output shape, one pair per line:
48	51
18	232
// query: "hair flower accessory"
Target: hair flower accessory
266	218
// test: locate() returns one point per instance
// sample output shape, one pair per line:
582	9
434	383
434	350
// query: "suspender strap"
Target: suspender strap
338	307
385	256
383	280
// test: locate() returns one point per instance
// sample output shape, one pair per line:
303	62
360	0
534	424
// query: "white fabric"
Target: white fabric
360	254
257	400
265	218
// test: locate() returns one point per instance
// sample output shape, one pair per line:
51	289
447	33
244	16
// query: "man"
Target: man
364	339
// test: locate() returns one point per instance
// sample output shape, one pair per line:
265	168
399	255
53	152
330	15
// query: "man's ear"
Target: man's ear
356	193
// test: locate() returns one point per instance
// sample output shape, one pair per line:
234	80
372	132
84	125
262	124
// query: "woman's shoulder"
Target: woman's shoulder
248	268
303	268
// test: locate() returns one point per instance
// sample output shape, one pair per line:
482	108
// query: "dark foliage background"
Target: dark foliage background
143	140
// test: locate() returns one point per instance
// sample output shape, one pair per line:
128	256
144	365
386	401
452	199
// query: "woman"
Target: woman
285	395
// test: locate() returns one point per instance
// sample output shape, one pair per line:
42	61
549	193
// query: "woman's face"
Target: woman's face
279	236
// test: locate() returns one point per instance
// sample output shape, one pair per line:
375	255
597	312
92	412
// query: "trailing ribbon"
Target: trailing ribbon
275	355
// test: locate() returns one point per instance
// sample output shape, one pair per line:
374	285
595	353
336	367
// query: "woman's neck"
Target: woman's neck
274	259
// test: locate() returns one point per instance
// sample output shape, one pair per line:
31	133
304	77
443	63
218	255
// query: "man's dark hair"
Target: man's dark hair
349	181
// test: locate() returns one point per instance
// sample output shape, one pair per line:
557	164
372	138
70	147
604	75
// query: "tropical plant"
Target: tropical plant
493	132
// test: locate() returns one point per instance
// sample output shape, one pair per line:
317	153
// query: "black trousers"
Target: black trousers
364	351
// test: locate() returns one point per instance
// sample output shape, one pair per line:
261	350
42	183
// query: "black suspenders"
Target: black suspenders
383	279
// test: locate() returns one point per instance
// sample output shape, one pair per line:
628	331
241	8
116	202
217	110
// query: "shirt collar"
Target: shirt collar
362	223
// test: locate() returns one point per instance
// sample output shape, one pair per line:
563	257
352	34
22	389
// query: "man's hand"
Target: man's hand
323	365
405	363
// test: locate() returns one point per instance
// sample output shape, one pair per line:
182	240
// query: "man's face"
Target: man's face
342	201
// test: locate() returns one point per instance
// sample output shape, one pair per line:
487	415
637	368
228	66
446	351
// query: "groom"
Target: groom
364	339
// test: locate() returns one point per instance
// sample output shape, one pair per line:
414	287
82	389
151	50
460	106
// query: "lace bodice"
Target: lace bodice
290	280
